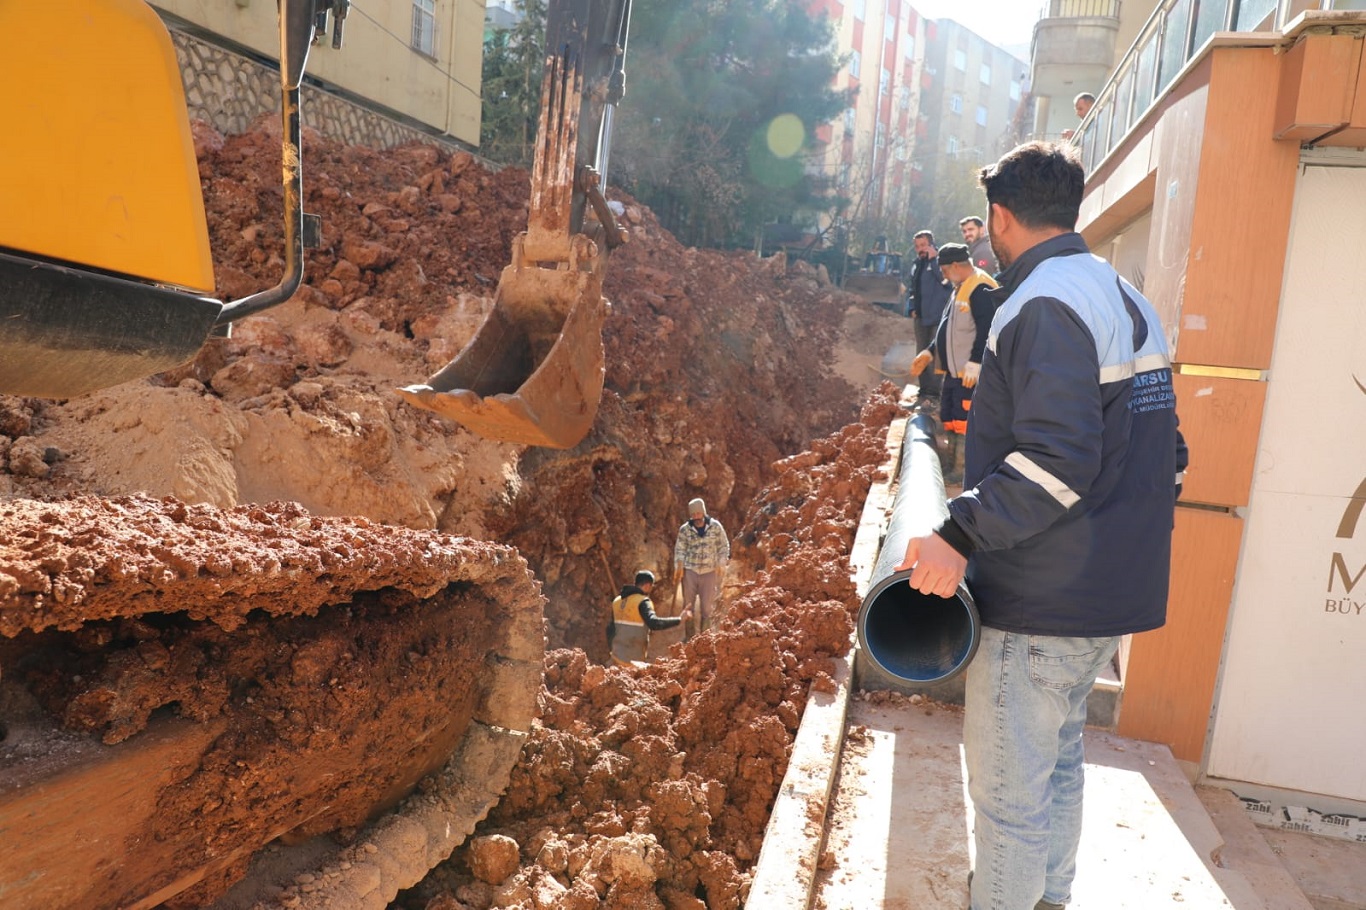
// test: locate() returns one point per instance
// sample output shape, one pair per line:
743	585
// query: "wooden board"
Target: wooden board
1221	419
1169	681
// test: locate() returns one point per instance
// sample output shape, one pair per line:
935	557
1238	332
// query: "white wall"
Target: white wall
1289	710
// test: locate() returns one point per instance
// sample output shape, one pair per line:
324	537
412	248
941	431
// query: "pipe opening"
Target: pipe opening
918	637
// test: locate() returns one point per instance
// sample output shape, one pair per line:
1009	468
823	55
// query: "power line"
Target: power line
355	8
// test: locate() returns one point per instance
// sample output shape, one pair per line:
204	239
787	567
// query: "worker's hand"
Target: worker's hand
971	373
686	615
937	568
921	361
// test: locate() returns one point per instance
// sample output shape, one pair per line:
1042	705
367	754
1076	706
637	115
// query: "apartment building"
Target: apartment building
972	90
869	151
415	61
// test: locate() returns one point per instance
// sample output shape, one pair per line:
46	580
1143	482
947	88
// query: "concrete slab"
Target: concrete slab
1246	850
1331	872
899	831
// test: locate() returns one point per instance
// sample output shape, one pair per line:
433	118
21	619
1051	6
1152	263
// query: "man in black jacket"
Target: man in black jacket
1063	531
927	293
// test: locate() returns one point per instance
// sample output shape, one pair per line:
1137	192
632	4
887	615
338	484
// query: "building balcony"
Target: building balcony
1176	36
1076	33
1073	51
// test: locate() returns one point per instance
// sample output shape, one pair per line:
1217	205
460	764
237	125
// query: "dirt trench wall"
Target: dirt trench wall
717	365
250	674
650	788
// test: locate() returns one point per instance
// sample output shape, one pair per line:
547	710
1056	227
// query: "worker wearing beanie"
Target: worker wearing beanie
700	557
633	619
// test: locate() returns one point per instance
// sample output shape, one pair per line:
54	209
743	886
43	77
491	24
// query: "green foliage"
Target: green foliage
513	62
954	194
722	100
701	137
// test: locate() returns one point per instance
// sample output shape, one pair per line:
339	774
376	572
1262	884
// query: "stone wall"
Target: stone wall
229	91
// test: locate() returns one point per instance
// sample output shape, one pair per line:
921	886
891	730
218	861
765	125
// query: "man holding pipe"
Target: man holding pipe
1063	531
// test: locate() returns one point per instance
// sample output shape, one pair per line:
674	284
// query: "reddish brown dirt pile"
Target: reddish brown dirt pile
717	368
717	365
327	664
651	788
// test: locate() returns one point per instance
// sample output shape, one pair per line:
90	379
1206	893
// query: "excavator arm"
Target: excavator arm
533	373
105	272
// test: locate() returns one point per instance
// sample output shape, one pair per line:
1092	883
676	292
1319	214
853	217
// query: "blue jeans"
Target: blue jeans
1024	710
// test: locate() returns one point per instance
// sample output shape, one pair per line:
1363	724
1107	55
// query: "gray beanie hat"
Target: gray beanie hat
697	507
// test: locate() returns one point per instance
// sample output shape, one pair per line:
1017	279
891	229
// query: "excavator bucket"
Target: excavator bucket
105	267
533	373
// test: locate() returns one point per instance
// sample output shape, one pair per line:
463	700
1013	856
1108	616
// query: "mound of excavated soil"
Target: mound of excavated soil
717	366
651	787
636	786
327	665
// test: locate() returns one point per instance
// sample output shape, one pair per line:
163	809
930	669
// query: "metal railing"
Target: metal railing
1175	34
1080	9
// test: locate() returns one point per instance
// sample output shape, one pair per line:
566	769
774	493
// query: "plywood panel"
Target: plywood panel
1170	678
1238	236
1354	134
1177	140
1318	77
1289	711
1221	420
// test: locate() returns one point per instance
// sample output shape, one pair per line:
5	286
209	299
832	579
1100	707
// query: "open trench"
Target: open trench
284	672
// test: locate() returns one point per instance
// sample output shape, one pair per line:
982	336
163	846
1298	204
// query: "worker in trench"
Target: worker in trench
1063	531
633	619
701	554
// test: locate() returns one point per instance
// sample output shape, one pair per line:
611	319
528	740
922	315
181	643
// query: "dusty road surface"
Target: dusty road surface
729	378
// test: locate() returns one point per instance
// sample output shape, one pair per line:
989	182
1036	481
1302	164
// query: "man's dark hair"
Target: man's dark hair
644	577
1084	96
1039	182
929	235
971	219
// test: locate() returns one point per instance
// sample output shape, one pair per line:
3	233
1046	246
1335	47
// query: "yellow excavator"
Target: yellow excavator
105	277
105	269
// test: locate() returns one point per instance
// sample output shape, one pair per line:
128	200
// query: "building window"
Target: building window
854	64
884	83
888	27
424	27
1014	90
956	103
844	174
986	74
909	45
860	9
981	115
849	119
960	60
879	139
952	146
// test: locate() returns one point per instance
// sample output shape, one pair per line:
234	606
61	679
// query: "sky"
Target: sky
1005	23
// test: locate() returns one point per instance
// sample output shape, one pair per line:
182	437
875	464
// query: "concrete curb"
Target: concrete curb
785	875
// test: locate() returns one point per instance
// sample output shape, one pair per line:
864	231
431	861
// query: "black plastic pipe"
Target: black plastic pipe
915	638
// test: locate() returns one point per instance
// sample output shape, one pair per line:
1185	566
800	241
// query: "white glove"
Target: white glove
971	372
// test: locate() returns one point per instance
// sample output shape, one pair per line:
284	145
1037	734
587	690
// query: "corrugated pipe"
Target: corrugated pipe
916	638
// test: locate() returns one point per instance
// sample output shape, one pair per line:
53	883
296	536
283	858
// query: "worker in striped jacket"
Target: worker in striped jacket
701	554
